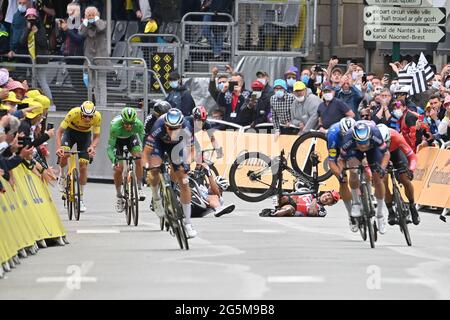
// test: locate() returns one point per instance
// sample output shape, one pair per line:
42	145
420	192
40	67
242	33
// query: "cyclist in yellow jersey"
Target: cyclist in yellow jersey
77	128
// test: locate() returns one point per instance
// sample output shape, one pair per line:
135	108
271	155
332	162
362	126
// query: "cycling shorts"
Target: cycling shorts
178	154
81	139
132	143
374	156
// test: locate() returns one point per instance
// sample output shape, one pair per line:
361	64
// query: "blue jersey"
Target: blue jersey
159	133
375	142
334	141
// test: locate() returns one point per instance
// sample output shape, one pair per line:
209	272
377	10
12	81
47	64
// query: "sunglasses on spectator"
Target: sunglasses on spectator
365	116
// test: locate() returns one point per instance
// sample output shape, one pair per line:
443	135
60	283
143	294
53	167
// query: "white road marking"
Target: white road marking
64	279
99	231
426	282
295	279
262	231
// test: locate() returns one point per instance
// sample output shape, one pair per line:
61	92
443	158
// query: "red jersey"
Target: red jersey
399	142
304	203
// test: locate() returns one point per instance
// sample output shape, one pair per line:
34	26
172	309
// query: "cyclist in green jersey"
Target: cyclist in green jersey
126	130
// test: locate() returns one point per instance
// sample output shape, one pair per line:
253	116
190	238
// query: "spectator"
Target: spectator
72	43
217	33
381	112
407	122
248	13
146	10
46	12
235	101
19	24
402	94
435	114
4	36
444	126
93	29
11	10
180	97
84	4
332	110
221	86
366	114
350	94
35	38
281	103
304	109
336	77
18	88
263	100
291	76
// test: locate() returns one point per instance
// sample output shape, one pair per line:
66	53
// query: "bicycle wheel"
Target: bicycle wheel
367	214
134	201
76	194
301	150
172	208
68	197
402	213
128	203
253	177
362	228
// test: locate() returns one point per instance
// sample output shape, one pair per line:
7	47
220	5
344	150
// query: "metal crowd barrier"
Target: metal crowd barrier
217	48
274	28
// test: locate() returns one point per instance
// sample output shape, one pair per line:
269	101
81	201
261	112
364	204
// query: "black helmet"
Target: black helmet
161	107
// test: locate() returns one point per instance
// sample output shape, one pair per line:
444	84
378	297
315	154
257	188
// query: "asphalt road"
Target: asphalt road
236	256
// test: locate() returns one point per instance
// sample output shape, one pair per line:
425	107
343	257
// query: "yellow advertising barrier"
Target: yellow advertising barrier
27	214
436	191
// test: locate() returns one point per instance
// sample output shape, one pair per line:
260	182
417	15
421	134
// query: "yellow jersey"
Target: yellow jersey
74	121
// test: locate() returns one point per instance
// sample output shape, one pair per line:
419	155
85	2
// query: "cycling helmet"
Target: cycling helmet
361	133
384	130
200	113
87	108
222	183
336	196
128	115
346	124
173	118
161	107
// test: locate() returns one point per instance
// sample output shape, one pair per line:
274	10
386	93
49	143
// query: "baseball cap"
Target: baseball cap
35	112
4	107
280	83
327	87
338	70
13	85
31	12
174	76
261	73
12	98
299	86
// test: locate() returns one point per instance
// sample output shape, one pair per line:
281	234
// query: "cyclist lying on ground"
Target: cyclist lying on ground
211	195
303	205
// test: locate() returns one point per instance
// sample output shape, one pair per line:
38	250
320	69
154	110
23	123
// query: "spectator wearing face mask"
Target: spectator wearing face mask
402	94
381	113
291	76
280	104
18	26
263	77
350	94
260	103
332	110
407	121
306	78
215	87
304	109
180	97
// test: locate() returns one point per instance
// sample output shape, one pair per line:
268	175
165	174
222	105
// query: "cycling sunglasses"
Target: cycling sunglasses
87	117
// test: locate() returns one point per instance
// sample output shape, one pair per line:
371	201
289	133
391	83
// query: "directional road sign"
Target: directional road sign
404	33
411	3
407	15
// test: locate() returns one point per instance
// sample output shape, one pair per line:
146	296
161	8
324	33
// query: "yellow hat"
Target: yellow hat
151	26
299	86
12	98
33	93
35	112
3	107
45	101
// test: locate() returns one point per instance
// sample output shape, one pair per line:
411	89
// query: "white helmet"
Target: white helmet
384	130
346	124
222	183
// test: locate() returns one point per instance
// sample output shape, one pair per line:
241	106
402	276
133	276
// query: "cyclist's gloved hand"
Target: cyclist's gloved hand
341	178
206	171
380	170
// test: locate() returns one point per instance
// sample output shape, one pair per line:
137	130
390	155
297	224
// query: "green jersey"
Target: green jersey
117	131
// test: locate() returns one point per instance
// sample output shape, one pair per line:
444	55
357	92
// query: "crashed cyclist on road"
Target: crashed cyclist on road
126	131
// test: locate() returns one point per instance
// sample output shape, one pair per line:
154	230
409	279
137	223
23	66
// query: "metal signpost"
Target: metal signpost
403	21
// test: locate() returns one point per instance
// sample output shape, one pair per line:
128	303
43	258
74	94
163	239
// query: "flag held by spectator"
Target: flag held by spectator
416	76
31	45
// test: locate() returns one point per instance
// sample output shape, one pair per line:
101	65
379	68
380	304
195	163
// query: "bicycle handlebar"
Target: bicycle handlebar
128	158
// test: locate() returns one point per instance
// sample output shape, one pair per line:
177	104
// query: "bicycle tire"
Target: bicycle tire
171	206
128	206
162	223
260	191
77	194
184	237
365	199
294	160
179	215
402	213
69	203
134	201
362	229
